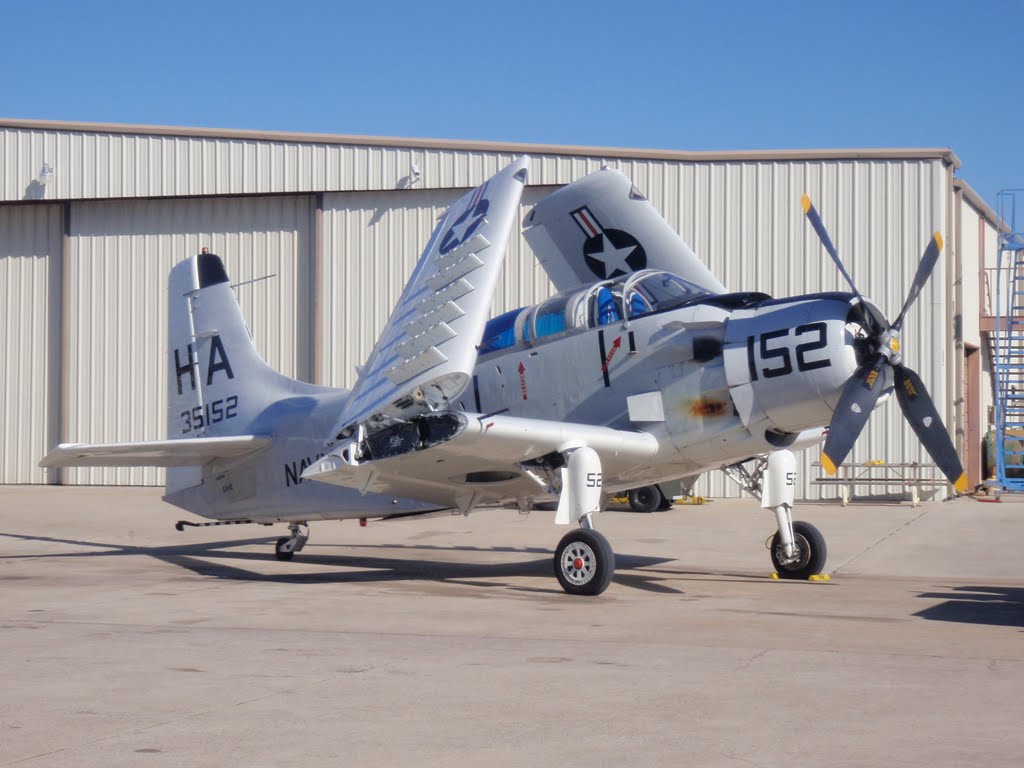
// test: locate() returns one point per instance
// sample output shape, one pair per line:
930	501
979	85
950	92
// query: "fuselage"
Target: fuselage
716	380
269	486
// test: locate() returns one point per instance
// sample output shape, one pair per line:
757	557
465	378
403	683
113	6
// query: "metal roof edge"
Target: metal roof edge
946	154
979	204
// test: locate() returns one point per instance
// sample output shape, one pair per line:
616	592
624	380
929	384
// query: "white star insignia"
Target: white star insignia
457	232
613	258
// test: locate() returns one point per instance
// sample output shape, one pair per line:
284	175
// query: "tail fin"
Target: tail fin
218	387
217	382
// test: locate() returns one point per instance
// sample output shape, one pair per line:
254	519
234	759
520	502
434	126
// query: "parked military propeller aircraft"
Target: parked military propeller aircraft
641	369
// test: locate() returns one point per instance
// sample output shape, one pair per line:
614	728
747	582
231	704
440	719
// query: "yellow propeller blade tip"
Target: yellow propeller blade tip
805	201
961	483
828	464
938	240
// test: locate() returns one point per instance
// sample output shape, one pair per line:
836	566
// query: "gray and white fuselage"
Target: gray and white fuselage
715	381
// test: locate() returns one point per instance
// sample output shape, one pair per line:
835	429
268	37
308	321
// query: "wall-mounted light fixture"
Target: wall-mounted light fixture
411	178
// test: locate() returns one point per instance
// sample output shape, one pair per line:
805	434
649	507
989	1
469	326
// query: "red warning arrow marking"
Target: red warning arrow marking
615	348
522	380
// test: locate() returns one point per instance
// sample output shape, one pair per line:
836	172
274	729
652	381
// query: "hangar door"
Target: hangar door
30	261
119	256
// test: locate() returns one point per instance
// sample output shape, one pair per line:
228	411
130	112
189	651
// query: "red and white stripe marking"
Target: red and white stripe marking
587	222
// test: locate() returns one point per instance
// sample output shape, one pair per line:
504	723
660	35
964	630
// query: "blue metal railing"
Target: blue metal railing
1009	346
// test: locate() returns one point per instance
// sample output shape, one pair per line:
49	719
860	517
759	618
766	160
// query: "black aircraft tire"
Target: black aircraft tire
281	554
584	562
813	552
646	499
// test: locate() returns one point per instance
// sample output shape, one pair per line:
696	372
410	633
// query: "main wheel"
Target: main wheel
811	554
280	553
646	499
584	562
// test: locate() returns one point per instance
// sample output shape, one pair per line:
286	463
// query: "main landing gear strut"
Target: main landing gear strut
584	561
797	549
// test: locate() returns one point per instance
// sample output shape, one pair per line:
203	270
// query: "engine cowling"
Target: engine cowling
786	362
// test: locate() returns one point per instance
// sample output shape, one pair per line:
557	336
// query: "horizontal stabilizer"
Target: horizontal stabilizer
189	452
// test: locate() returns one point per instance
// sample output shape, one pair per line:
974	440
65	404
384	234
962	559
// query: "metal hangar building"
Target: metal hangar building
320	233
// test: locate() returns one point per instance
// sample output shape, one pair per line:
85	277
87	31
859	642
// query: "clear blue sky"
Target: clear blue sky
733	74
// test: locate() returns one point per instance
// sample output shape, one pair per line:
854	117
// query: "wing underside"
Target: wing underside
478	459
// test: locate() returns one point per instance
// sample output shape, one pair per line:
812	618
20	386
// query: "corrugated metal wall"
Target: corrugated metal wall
743	217
120	254
89	165
95	164
30	263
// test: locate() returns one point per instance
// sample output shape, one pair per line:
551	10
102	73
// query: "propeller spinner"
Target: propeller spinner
862	390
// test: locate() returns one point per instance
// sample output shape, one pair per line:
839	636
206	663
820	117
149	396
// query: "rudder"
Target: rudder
217	382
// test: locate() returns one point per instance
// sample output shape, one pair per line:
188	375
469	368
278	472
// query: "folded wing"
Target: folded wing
425	355
601	227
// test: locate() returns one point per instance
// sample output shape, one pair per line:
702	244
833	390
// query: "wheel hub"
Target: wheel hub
801	556
579	563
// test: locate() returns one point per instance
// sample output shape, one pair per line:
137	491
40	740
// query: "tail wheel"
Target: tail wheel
280	552
811	552
584	562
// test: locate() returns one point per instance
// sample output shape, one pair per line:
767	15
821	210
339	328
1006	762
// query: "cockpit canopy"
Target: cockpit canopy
640	293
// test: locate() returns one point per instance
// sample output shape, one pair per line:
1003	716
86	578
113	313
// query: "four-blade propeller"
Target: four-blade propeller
884	366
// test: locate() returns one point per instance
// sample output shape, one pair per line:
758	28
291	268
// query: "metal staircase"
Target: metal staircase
1008	358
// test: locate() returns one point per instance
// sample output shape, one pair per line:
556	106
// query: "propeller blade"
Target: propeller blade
924	271
920	411
819	227
855	405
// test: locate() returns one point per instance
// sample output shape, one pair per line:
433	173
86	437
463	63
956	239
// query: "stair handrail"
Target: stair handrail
1010	255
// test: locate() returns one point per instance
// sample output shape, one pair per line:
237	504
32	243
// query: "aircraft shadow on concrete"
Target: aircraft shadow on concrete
997	606
223	560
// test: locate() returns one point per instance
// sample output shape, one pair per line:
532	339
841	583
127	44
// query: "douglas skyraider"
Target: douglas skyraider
642	369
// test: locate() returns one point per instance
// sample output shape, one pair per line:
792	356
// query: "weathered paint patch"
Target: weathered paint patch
708	407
